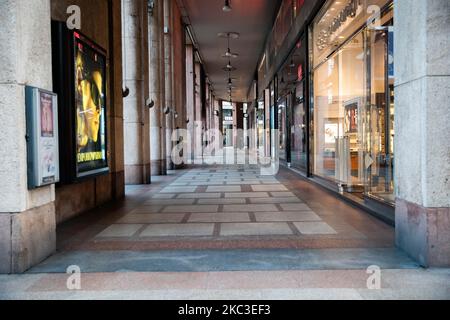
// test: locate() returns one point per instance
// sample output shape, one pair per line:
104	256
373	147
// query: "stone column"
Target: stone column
179	75
170	103
190	97
207	112
216	116
198	124
156	92
221	116
27	217
136	113
116	114
162	70
422	130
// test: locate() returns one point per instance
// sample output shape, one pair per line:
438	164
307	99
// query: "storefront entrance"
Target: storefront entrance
353	99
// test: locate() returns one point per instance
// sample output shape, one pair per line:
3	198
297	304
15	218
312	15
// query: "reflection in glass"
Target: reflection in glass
339	87
380	114
299	127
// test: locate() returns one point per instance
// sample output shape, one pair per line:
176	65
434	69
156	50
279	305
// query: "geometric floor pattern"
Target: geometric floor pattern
226	202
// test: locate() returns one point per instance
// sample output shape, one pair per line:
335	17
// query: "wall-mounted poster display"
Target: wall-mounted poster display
90	102
80	72
42	137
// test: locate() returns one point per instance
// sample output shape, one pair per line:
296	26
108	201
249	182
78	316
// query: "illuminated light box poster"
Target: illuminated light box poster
90	104
42	137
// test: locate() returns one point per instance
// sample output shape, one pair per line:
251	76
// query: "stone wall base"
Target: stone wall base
423	233
26	238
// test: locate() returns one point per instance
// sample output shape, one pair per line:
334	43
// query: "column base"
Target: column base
137	174
170	165
26	238
423	233
158	168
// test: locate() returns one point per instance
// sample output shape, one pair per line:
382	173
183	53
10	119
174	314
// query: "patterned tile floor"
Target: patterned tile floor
225	207
227	233
216	203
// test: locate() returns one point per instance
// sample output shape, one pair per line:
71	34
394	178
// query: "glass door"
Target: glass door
282	116
379	159
299	126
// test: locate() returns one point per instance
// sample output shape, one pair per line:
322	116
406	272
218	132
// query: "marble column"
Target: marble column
136	113
156	89
422	129
27	217
190	98
162	70
168	56
198	124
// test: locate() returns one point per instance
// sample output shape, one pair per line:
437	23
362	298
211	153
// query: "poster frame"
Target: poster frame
64	77
36	177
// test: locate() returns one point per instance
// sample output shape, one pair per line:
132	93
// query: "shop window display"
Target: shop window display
282	127
352	72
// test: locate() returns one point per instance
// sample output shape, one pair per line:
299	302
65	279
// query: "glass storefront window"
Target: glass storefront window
227	133
273	118
299	146
282	127
260	127
338	21
267	126
293	114
352	72
381	112
339	88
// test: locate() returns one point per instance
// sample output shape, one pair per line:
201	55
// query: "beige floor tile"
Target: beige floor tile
295	207
120	231
193	209
276	200
247	195
152	218
254	229
314	228
219	217
222	201
269	187
198	195
167	202
249	208
179	189
178	230
283	194
224	189
286	216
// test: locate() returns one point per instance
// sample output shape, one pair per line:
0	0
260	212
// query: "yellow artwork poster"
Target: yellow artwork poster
90	100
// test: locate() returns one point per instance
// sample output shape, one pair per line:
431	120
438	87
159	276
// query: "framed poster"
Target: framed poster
42	137
90	107
80	73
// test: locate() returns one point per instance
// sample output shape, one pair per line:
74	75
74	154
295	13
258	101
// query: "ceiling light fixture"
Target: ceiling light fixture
229	54
229	67
227	6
